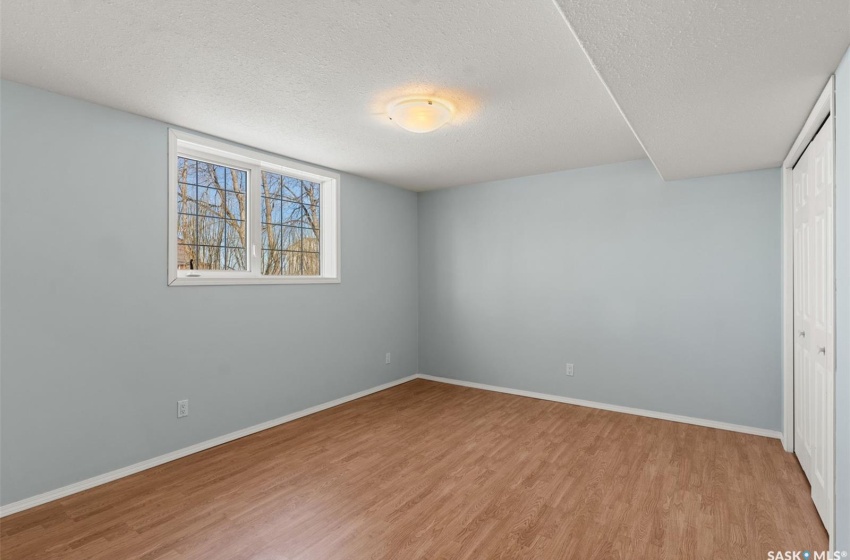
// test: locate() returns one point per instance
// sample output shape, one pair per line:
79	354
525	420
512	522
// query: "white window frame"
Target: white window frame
194	146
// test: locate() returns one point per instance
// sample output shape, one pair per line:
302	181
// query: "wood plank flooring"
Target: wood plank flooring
436	471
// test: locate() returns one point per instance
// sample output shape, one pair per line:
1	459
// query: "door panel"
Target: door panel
802	317
814	345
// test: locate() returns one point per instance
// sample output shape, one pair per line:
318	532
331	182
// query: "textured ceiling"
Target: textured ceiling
714	86
310	80
707	86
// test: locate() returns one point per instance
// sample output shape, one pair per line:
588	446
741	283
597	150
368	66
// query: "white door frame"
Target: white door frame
824	107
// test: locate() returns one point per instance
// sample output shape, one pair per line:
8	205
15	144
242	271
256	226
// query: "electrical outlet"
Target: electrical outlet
182	408
570	370
389	358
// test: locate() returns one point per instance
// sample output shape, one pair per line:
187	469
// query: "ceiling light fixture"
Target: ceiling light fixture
420	114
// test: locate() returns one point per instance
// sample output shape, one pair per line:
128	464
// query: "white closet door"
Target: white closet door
814	346
802	313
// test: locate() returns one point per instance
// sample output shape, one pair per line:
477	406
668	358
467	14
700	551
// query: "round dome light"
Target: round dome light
420	114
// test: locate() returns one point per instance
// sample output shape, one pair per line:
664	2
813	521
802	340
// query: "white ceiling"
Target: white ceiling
708	87
310	80
717	86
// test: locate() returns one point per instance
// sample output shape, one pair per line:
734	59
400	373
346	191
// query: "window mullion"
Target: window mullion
255	221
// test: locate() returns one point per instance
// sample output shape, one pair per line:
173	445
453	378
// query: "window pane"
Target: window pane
290	238
186	228
187	171
312	264
298	263
264	233
186	196
234	235
234	259
267	237
291	263
291	189
276	241
235	205
272	262
212	227
208	175
270	210
271	185
310	193
311	204
235	180
185	203
309	242
209	257
291	223
210	201
210	231
290	212
186	258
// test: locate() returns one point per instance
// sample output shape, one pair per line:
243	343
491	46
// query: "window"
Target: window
238	216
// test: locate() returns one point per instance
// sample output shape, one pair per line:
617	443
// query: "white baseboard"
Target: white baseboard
27	503
612	407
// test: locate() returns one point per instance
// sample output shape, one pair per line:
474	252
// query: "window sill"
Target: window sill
213	281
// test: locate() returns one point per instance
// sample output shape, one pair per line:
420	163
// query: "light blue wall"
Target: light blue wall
97	349
665	296
842	303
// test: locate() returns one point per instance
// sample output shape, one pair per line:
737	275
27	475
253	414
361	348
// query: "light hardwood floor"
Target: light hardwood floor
436	471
